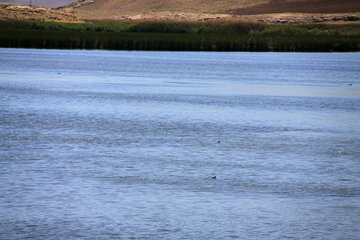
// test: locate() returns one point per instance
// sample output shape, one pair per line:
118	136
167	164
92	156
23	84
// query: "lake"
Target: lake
126	145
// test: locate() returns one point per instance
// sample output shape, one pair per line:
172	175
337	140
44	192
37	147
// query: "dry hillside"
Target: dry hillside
17	12
269	11
193	10
111	8
40	3
301	6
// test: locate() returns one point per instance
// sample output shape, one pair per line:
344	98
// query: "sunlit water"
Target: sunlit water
124	145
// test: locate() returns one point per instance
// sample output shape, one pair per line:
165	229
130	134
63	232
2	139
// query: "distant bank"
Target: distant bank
181	36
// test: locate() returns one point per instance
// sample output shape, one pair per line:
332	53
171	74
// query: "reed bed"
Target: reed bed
181	36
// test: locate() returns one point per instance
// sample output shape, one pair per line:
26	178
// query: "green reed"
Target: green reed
181	36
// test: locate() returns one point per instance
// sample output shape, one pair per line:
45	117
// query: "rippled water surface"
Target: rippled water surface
124	145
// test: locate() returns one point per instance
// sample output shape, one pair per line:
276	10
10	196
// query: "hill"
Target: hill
301	6
40	3
114	8
268	11
18	12
108	9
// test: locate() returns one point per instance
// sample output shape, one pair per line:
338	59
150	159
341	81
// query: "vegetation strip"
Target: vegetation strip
181	36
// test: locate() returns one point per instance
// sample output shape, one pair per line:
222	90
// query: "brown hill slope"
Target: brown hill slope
111	8
18	12
207	9
301	6
272	11
42	3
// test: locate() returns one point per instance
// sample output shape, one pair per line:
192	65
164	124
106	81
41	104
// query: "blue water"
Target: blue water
124	145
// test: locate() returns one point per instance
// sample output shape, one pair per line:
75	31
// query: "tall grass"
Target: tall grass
210	36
